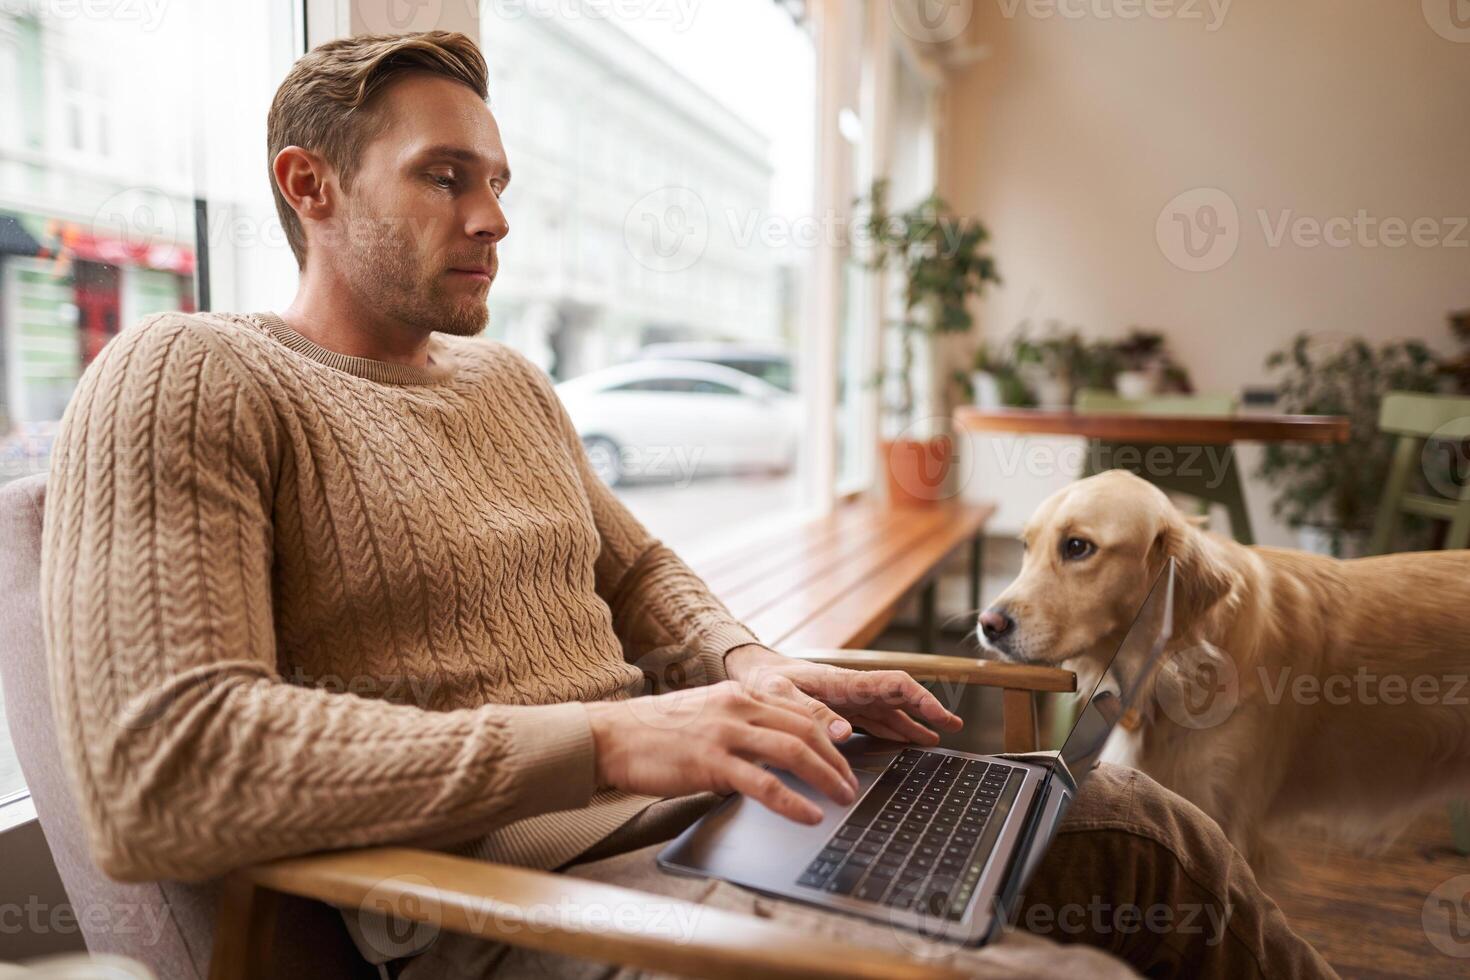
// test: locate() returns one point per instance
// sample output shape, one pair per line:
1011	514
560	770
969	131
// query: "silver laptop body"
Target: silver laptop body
1010	806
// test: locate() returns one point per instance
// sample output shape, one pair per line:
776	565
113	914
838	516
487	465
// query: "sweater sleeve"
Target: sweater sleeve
672	627
188	752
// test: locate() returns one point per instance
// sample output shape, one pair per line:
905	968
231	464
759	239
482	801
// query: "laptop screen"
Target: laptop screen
1113	694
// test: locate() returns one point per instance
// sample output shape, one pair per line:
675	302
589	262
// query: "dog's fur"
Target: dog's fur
1323	723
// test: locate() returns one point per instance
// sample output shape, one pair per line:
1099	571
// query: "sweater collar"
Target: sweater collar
441	359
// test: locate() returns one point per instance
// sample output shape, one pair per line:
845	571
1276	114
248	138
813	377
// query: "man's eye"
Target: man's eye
445	181
1075	549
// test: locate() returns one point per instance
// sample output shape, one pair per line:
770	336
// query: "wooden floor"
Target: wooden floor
1365	914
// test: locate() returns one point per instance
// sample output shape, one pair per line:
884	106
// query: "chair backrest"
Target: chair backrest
168	925
1100	400
1415	418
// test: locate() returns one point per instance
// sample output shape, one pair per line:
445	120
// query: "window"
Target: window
677	180
119	131
712	388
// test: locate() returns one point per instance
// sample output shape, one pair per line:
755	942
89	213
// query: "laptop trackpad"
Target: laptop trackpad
743	841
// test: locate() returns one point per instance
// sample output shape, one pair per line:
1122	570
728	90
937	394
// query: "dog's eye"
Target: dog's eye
1075	549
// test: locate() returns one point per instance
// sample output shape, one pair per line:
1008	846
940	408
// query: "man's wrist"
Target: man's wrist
748	655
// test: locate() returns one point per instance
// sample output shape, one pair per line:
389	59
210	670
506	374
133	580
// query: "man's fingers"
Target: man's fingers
836	726
785	691
789	752
764	787
796	718
897	721
895	688
874	726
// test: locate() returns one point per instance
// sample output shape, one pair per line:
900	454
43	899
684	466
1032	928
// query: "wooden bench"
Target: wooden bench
837	581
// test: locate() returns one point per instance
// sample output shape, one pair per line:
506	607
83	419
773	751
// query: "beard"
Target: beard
387	272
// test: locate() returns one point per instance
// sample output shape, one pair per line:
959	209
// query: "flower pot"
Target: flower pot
1137	385
918	470
1332	541
987	390
1054	393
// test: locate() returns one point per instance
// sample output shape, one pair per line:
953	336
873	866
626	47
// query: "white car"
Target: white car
673	420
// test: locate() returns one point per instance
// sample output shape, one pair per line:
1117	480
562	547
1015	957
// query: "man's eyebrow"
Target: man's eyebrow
459	153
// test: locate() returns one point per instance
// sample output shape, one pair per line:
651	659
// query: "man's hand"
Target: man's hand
884	702
714	738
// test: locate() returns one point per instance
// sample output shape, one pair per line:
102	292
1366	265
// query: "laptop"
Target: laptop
939	841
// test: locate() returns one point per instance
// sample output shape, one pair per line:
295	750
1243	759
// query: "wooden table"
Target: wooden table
836	581
1124	440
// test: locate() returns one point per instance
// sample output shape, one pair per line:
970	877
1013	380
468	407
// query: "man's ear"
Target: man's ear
1202	576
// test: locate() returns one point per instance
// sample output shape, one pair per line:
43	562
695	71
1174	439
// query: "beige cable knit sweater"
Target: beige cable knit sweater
296	600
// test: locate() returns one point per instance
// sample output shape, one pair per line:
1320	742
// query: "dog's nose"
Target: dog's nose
995	624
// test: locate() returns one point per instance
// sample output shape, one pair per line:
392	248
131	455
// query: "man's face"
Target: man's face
424	207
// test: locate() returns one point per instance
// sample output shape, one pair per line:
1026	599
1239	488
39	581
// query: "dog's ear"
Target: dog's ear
1202	577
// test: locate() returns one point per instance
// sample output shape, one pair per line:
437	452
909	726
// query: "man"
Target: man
342	576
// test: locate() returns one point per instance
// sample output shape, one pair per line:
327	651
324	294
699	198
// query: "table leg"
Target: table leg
926	617
1232	495
977	567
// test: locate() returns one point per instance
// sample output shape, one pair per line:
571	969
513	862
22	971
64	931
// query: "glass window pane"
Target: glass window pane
115	126
662	207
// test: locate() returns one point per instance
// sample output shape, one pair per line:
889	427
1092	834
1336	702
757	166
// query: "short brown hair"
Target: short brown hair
323	104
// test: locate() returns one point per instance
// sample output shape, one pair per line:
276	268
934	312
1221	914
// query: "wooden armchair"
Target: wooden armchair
498	902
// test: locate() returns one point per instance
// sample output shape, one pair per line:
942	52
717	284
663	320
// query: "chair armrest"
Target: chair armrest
924	667
546	911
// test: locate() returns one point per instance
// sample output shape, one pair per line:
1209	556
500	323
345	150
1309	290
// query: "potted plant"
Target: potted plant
1329	492
994	381
1060	362
1457	368
941	257
1141	354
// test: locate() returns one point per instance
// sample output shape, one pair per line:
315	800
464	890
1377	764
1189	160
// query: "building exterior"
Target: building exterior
637	205
93	183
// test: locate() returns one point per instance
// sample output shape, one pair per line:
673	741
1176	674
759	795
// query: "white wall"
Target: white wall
1071	138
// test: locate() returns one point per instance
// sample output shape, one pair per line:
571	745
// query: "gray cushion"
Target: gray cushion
167	925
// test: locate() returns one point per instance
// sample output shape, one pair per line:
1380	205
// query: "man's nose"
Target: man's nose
995	624
486	219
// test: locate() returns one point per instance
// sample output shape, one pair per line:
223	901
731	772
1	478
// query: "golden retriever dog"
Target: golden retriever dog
1295	688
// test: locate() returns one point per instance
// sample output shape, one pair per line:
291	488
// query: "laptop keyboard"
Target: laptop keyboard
921	835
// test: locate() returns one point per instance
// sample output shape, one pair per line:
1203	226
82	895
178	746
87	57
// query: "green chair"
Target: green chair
1229	491
1414	419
